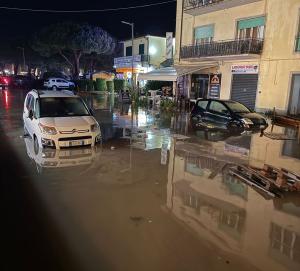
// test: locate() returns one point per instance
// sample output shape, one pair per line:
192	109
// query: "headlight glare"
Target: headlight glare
247	121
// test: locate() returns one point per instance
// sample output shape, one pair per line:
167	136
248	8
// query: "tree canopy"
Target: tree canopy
72	41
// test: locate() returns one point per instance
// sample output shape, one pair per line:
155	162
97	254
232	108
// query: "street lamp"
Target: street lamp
23	52
132	38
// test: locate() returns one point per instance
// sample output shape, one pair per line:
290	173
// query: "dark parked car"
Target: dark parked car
226	114
22	81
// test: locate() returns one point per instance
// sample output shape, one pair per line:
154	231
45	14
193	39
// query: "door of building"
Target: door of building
199	86
294	104
244	88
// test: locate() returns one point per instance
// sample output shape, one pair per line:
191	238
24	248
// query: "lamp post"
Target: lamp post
23	52
132	57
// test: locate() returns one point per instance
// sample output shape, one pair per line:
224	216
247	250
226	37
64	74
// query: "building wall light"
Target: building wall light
152	50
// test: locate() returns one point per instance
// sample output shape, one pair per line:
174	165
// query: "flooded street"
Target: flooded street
155	195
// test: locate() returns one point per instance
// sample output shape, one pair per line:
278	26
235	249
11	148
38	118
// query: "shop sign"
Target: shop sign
126	61
244	69
214	86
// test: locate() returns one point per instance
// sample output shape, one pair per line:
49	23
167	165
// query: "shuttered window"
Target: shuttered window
204	34
251	23
251	28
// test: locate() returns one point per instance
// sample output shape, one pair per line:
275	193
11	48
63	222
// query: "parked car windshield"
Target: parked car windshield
62	107
237	107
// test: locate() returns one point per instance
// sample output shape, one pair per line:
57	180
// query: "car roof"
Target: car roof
218	100
52	93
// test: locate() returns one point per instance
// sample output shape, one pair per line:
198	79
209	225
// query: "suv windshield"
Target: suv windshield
237	107
62	107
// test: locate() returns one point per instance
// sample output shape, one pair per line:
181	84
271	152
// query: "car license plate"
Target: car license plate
75	143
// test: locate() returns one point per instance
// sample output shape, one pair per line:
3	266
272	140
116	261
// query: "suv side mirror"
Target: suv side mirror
30	114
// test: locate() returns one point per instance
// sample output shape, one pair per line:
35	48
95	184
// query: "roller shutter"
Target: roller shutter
244	88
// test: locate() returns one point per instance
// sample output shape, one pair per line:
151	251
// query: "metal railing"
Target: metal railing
223	48
191	4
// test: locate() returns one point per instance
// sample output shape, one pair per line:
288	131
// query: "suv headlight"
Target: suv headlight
95	127
247	121
47	129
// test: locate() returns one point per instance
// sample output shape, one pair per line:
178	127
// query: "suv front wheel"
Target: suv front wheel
54	88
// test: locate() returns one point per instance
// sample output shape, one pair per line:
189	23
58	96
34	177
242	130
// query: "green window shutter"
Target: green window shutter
249	23
204	32
298	44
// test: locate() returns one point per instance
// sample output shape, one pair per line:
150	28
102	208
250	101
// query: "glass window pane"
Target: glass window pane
202	104
129	51
218	107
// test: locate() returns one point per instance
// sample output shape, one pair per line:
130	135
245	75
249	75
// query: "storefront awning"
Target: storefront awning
163	74
172	73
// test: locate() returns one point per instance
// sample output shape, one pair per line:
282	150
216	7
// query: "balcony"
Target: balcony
223	49
199	7
126	61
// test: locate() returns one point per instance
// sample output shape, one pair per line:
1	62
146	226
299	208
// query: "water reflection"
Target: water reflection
203	194
48	160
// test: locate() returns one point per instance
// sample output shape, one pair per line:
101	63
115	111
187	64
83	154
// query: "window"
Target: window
129	51
29	97
251	28
218	107
237	107
202	104
62	107
31	104
204	34
297	49
37	109
141	49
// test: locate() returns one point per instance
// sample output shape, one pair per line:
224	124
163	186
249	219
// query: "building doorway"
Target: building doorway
294	104
200	84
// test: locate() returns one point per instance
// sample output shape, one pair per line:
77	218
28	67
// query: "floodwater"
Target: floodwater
155	195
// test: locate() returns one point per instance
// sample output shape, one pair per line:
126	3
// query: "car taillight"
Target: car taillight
5	80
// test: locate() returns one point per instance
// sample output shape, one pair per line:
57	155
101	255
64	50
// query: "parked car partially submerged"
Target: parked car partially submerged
59	120
226	114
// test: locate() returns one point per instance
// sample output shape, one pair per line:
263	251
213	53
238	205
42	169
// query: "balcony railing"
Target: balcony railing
126	61
198	7
191	4
223	48
297	49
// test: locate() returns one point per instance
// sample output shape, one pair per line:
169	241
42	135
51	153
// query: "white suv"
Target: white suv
59	120
58	83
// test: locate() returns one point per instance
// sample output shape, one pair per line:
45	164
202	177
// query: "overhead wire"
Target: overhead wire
84	10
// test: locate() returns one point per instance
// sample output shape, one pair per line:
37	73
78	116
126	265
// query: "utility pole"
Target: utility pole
132	56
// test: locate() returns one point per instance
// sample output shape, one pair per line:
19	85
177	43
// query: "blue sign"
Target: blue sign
214	86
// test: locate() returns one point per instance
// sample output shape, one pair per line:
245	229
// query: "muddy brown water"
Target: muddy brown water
156	195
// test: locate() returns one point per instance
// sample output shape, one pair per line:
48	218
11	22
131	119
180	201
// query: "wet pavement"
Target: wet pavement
155	195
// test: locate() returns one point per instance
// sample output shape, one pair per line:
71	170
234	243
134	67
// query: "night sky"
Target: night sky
151	20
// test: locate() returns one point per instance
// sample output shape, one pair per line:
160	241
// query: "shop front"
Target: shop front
244	84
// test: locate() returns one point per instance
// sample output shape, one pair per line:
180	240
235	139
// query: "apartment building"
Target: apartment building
245	50
147	53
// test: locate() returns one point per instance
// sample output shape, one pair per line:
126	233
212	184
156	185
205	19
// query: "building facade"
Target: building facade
148	53
245	50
